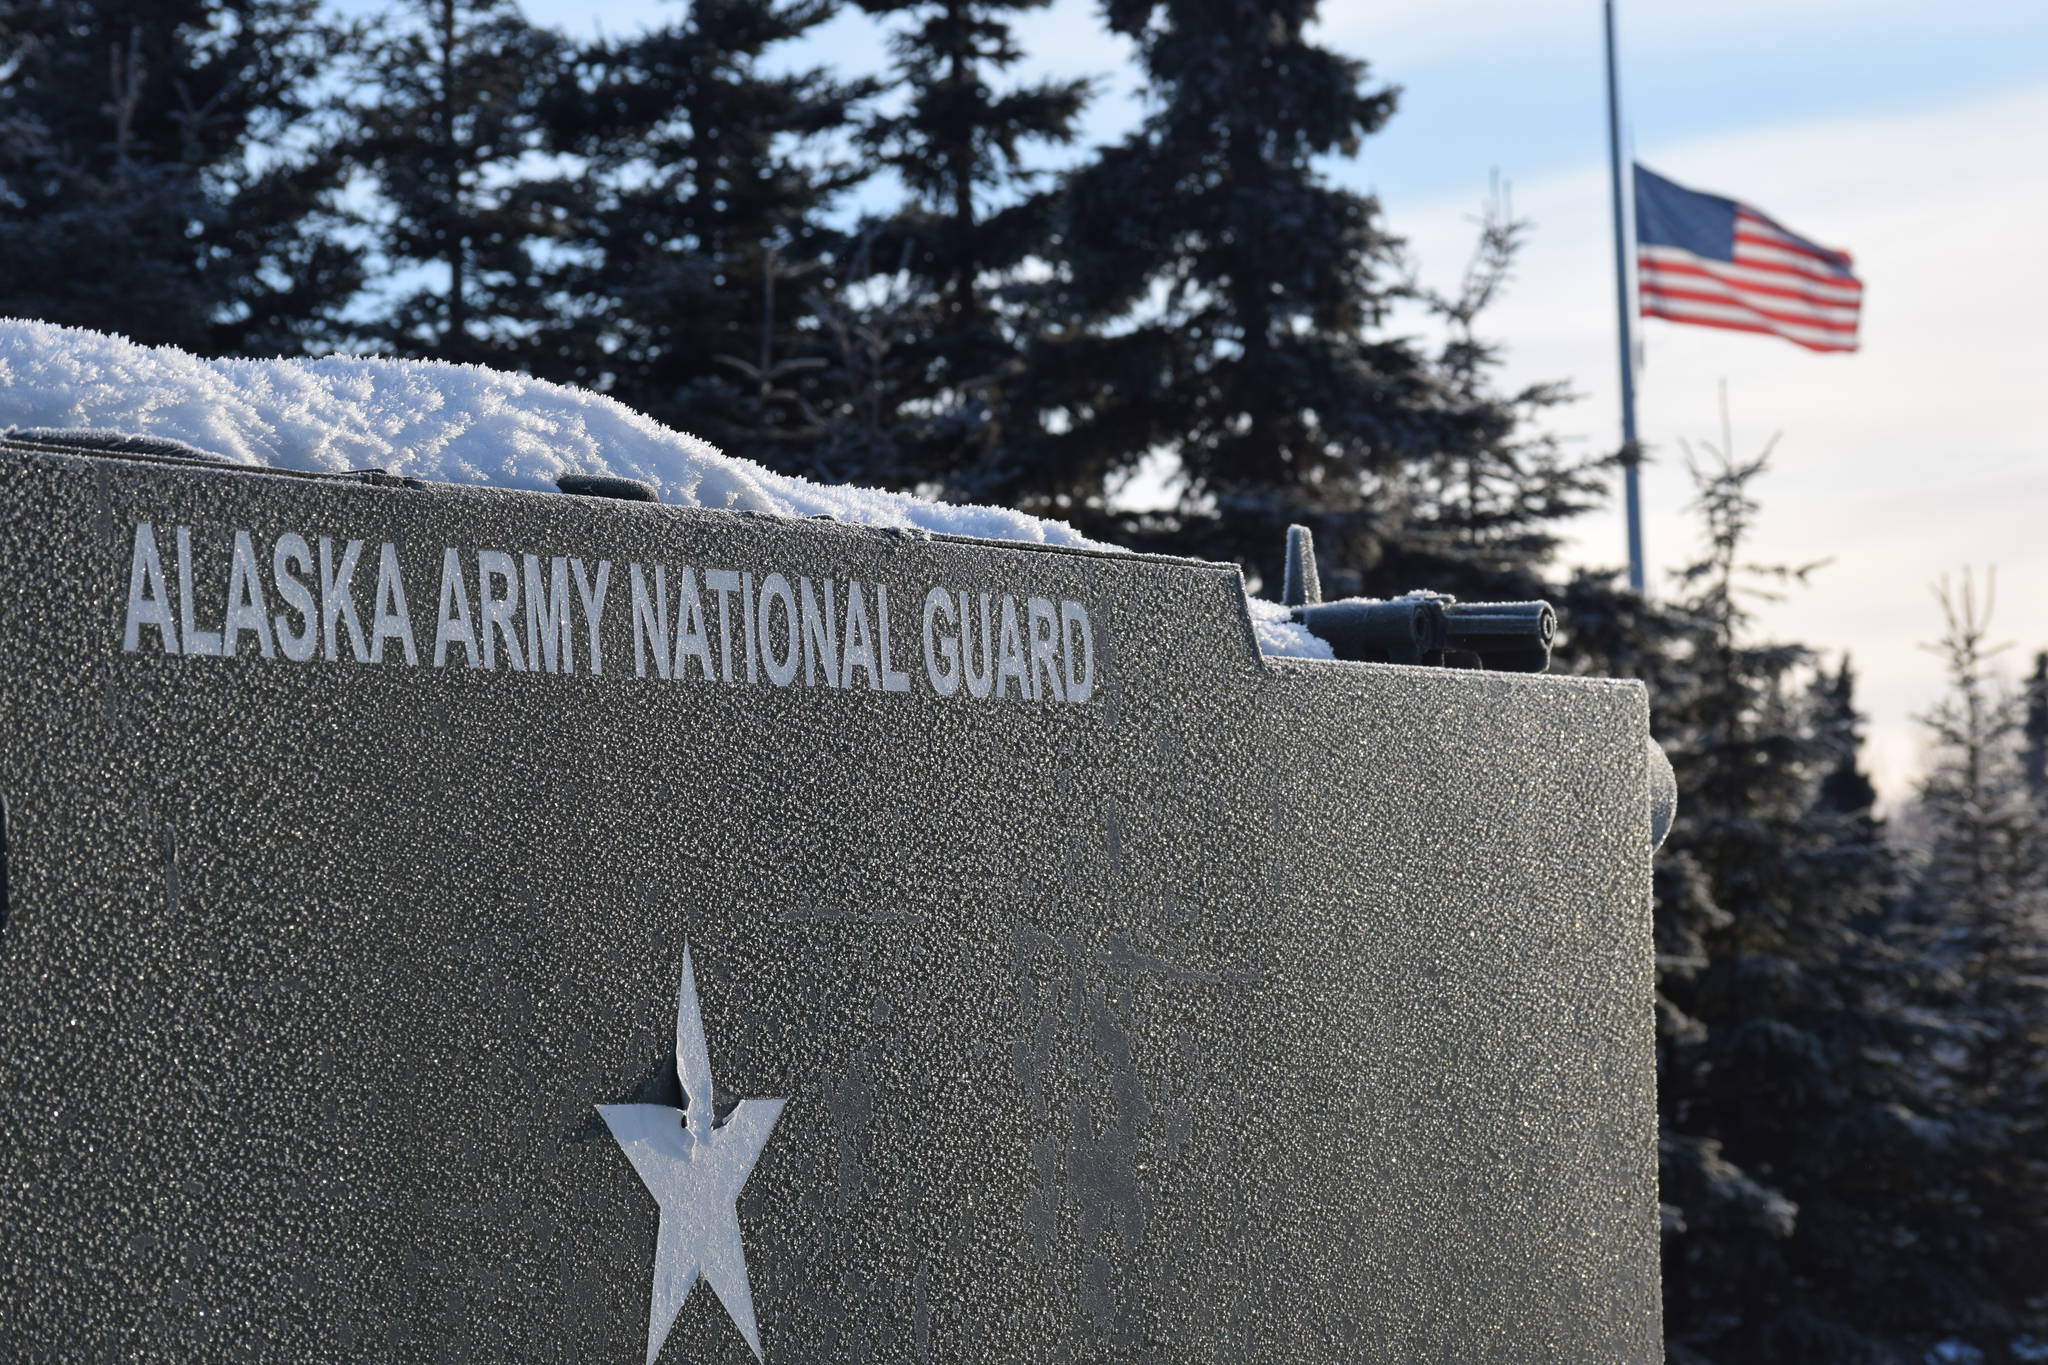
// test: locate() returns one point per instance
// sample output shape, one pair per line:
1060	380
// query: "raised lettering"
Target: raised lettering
1077	651
650	621
246	609
549	645
452	621
1010	661
982	681
338	602
893	679
820	631
391	618
1045	670
725	583
497	590
693	628
197	641
592	596
857	639
289	558
750	627
149	594
775	591
941	648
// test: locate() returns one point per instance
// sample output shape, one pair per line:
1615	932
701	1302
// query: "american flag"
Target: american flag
1714	262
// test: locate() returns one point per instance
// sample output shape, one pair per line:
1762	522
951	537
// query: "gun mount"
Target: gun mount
1419	627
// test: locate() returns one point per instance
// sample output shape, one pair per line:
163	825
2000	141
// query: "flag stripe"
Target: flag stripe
1792	253
1689	310
1773	276
1758	251
1737	326
1848	287
1729	308
1679	272
1753	227
1803	318
1716	262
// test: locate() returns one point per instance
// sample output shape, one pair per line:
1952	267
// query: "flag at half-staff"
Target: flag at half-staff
1715	262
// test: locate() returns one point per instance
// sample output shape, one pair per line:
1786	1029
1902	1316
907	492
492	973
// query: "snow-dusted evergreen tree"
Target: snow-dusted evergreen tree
1830	1192
162	173
446	129
1983	894
699	232
1979	915
1735	904
1984	891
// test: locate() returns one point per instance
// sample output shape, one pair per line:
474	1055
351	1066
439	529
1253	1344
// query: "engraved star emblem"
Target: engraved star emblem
694	1168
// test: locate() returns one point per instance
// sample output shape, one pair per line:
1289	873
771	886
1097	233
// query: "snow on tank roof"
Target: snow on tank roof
448	423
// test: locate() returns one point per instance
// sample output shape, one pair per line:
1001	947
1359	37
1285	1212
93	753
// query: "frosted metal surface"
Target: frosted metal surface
1226	1010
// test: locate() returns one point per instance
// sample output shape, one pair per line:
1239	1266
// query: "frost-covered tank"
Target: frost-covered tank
445	923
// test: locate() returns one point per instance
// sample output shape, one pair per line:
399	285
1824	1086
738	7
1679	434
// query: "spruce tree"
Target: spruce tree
1982	880
1846	789
2034	732
1734	919
1979	915
1229	306
1484	513
446	130
1984	889
700	235
948	389
163	175
1831	1193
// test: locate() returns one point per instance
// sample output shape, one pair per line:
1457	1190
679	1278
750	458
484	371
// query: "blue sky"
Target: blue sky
1520	85
1911	133
1517	83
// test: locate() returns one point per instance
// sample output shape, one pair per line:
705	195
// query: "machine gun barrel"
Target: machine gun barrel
1510	637
1423	628
1419	628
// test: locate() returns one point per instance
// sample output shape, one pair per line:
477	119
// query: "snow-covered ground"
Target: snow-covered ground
453	424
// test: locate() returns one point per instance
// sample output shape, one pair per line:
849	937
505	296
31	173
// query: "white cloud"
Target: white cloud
1926	452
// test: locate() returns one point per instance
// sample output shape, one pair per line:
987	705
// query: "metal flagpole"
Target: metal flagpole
1631	453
